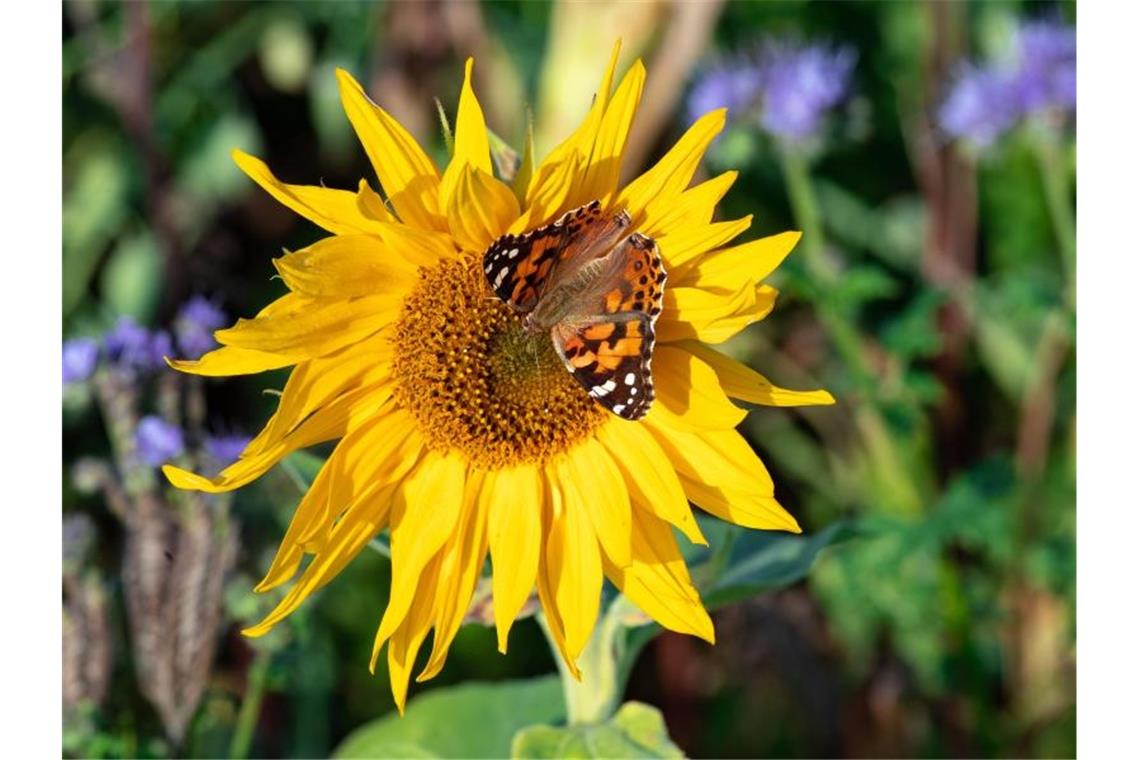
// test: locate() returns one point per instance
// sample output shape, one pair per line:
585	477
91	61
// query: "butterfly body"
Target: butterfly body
597	288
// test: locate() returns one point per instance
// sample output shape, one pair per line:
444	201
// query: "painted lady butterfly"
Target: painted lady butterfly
597	289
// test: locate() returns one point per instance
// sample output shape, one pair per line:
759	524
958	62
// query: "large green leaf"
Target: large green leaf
470	720
636	730
765	560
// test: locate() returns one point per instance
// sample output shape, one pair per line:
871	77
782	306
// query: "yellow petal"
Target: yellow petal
309	327
599	181
658	581
325	424
433	496
738	267
514	531
649	475
689	396
472	147
706	315
683	245
576	568
460	564
408	176
480	209
422	248
349	536
371	205
550	560
315	382
345	266
608	506
335	210
694	208
550	198
230	360
743	382
313	508
387	449
659	187
723	476
409	637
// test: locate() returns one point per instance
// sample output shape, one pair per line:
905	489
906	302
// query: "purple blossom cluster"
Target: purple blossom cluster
195	324
1040	76
790	88
130	347
226	448
80	356
133	350
159	441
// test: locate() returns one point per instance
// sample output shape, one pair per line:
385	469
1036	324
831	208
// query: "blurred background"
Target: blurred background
926	149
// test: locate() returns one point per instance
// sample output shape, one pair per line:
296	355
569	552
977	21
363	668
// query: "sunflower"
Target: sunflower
463	434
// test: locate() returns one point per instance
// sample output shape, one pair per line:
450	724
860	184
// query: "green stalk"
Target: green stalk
805	209
594	698
251	704
839	325
1055	180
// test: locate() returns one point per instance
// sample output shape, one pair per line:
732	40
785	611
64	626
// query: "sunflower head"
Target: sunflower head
466	433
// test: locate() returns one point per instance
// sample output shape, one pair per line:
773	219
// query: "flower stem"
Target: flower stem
838	322
805	209
251	704
594	698
1055	179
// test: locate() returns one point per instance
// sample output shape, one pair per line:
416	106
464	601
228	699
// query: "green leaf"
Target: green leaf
636	730
470	720
863	283
132	279
764	560
95	204
208	170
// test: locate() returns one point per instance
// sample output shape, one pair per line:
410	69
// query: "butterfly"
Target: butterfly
597	288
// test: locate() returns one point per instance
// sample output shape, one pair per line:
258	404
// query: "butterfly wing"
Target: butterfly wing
611	359
610	352
521	268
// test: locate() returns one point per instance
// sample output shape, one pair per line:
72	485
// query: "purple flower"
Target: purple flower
981	106
985	102
800	85
226	448
1046	74
195	325
158	441
131	346
794	86
80	355
735	86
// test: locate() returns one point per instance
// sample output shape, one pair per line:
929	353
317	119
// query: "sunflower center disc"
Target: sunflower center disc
476	382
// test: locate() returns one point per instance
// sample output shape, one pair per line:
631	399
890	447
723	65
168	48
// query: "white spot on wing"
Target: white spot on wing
502	275
604	389
630	378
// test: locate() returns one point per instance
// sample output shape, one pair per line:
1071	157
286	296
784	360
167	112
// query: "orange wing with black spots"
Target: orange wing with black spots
599	289
520	268
612	360
611	353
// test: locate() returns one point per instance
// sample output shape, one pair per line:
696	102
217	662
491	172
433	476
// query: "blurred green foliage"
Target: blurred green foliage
942	624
